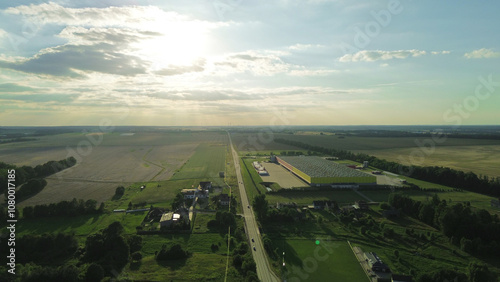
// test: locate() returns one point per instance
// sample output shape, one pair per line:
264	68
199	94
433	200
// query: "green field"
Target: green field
327	261
206	163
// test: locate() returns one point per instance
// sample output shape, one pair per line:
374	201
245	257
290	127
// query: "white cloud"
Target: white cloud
302	47
376	55
440	52
482	54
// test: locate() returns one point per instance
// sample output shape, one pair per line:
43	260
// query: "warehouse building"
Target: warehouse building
318	171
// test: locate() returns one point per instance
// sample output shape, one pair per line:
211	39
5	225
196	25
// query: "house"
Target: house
224	199
170	219
205	185
401	278
376	263
202	194
361	205
166	219
320	205
189	193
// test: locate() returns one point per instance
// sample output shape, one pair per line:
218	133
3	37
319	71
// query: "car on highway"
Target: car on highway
248	206
254	249
253	240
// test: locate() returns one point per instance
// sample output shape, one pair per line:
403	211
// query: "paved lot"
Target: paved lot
282	176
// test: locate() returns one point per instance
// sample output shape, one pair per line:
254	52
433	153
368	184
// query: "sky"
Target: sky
242	62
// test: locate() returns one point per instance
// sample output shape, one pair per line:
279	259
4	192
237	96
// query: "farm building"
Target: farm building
170	219
224	199
205	185
320	205
189	193
318	171
376	263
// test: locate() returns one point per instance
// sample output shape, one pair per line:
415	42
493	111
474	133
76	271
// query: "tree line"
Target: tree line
103	254
26	173
476	232
64	208
435	174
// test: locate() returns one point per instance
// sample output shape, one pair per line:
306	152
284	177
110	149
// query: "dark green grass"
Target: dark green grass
80	225
327	261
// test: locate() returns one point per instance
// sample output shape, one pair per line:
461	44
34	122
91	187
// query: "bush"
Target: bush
137	256
385	206
175	252
119	191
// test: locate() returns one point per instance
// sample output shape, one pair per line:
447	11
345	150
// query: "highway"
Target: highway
264	271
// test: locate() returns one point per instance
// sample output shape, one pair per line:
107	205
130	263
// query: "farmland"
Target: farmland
108	160
185	159
336	260
484	159
482	156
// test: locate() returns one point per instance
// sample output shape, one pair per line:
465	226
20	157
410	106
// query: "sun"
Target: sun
179	43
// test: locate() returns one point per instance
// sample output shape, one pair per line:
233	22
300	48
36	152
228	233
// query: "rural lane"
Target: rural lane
264	271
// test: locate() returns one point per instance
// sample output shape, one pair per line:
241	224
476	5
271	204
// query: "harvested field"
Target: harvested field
114	160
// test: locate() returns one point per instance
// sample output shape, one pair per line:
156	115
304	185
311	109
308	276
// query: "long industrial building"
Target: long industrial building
318	171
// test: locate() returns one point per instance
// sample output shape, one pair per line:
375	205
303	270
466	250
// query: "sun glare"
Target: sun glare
180	43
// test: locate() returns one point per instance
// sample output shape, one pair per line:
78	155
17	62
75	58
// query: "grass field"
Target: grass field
206	163
80	225
327	261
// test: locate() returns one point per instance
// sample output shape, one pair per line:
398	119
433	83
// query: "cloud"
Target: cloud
14	87
440	52
75	60
376	55
260	64
40	98
482	54
303	47
101	50
264	63
198	66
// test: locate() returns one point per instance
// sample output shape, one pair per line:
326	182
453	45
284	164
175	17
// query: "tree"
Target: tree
136	256
120	190
479	273
94	273
178	201
426	214
175	252
260	206
135	243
